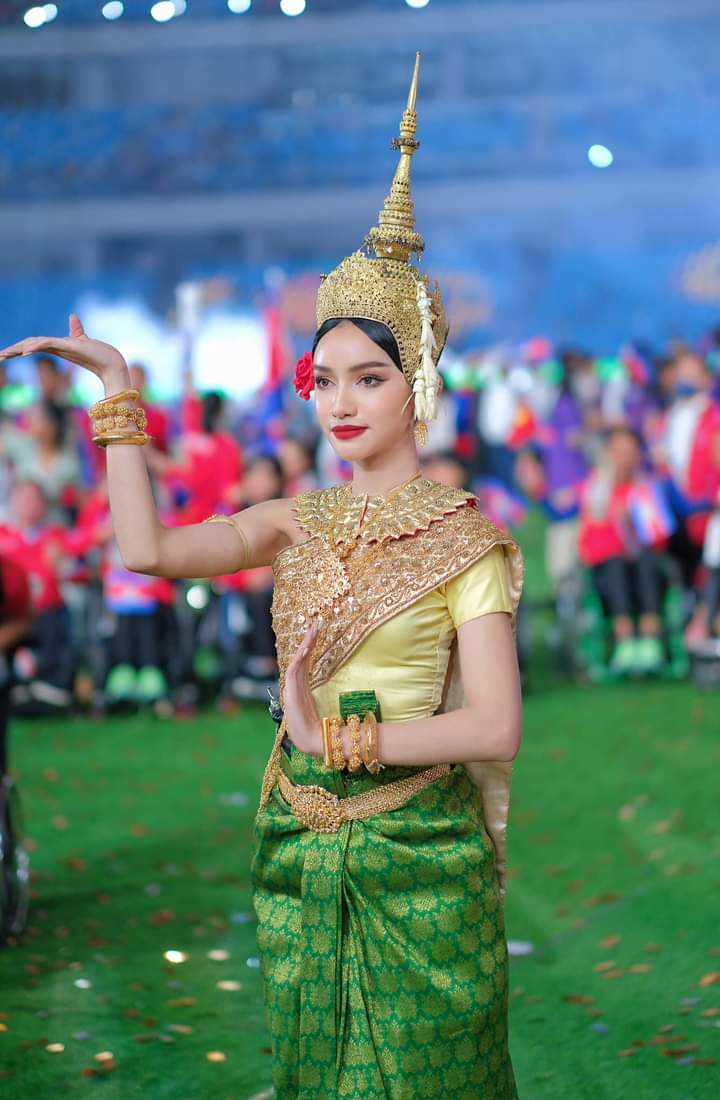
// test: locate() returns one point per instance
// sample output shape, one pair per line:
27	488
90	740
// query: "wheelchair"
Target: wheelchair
14	858
584	638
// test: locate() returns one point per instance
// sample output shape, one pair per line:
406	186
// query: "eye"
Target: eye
320	378
371	378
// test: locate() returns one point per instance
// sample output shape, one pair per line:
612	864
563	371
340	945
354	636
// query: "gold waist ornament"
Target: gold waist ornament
321	810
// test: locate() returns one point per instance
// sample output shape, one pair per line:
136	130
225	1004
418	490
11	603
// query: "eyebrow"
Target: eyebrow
355	369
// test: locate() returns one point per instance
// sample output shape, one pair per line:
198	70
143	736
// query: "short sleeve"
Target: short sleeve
480	589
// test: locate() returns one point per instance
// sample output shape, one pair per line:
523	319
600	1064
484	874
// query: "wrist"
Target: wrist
116	382
315	740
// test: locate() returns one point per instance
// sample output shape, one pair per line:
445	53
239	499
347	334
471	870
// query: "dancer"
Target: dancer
379	864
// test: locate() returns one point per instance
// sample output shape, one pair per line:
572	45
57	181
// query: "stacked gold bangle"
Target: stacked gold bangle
111	420
363	751
355	762
370	753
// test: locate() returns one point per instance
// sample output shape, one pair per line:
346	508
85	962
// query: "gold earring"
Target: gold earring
421	433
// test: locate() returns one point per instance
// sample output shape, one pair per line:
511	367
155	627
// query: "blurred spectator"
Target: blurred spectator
296	460
157	418
688	454
36	544
15	622
54	383
625	520
205	474
42	452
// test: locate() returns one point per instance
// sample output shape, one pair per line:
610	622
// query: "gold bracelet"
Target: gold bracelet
327	745
120	418
114	399
370	754
121	437
355	762
338	752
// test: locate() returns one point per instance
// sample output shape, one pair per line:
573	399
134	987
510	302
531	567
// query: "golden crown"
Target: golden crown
386	287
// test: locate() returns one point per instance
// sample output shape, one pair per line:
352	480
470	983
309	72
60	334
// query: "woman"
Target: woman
44	452
378	892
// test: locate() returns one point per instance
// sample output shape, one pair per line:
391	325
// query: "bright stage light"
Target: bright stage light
600	156
239	7
163	11
292	7
113	10
34	17
180	6
50	12
417	3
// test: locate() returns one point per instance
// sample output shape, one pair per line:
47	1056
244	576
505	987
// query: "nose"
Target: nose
343	404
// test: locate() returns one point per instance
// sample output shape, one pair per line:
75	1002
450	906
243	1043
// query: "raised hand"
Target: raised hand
303	721
101	359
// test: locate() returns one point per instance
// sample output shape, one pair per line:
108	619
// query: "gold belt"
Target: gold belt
322	811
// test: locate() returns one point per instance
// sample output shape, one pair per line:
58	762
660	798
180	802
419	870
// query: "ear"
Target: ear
441	384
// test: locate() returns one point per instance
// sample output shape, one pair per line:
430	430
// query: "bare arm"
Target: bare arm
145	544
13	631
256	535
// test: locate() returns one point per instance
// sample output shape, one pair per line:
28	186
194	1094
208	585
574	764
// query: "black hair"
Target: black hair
58	417
272	460
212	408
48	361
379	333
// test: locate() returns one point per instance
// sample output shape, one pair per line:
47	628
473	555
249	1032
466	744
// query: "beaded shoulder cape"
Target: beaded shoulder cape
407	546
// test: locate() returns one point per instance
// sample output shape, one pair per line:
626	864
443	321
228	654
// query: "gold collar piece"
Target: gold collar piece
337	514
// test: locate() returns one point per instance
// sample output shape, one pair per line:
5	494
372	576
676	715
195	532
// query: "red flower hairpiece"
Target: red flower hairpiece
304	380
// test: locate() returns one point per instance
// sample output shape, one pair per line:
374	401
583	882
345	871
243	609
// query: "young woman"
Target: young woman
379	863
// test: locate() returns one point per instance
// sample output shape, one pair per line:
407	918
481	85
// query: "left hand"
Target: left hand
304	726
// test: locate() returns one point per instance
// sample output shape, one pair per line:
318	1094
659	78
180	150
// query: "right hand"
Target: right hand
101	359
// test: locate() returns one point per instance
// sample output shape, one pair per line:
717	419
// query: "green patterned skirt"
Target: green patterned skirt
382	946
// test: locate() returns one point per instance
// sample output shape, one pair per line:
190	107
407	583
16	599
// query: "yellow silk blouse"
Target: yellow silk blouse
405	659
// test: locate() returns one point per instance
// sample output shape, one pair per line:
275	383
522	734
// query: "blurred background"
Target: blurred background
180	173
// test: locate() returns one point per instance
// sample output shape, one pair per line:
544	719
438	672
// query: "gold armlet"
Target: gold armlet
243	537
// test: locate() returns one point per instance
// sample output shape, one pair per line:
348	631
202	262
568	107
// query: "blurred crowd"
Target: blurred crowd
620	455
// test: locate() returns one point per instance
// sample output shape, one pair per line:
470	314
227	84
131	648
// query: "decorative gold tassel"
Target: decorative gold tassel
421	433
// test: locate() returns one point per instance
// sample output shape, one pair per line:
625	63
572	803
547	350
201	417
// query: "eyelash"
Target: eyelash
374	378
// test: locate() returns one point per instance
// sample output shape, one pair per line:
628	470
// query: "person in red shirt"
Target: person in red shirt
45	551
624	521
157	418
250	666
15	622
208	473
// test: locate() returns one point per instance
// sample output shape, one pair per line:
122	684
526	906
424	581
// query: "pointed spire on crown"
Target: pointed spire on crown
395	237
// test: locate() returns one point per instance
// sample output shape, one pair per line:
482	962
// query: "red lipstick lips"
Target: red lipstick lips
347	432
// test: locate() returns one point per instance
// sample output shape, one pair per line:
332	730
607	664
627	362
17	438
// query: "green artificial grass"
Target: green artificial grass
141	843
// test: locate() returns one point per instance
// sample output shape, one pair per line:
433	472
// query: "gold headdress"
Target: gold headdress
386	287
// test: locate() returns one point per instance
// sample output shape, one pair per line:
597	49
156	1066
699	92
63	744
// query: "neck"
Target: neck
378	475
383	483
